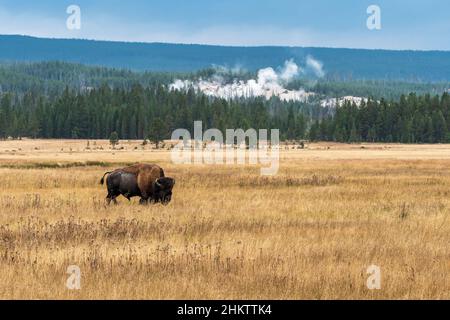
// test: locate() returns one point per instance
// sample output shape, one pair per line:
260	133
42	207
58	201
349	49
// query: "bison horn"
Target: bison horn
158	184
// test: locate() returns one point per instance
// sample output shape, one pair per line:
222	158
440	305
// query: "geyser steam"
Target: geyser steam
267	84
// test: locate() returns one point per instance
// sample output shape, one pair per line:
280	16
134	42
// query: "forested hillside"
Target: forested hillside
154	112
51	78
424	119
339	64
64	100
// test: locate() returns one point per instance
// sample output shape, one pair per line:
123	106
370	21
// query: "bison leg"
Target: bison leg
144	198
111	198
112	195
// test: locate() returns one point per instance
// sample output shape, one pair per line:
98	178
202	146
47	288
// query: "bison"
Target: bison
146	181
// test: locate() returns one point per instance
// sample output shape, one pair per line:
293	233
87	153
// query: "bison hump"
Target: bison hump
146	174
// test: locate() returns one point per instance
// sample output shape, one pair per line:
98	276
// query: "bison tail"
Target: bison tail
102	180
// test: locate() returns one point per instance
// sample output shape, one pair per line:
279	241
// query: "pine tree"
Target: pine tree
439	127
291	125
314	131
354	137
157	131
114	139
429	132
300	128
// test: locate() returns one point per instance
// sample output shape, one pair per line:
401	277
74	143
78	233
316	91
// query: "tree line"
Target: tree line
412	119
154	112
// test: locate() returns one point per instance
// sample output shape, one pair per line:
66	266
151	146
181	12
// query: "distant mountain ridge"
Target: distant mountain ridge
341	64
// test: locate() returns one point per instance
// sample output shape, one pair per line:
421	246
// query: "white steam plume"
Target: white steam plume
289	71
267	84
315	65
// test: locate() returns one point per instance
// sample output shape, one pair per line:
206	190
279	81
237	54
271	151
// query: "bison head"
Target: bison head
162	191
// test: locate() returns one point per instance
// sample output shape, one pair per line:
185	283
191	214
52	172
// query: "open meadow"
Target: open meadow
309	232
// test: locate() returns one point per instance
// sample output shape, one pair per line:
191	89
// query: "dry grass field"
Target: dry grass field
309	232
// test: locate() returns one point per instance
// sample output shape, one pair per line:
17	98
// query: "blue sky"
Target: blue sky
413	24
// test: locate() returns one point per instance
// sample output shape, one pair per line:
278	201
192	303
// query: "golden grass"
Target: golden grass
309	232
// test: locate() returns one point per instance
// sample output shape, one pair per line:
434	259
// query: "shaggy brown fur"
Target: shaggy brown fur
146	175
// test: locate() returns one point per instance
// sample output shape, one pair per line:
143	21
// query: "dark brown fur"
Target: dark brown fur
146	175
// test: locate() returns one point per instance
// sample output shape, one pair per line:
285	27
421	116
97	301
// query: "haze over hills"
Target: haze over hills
67	89
340	64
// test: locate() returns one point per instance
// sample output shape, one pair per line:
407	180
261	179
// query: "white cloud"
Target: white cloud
104	27
37	25
100	26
